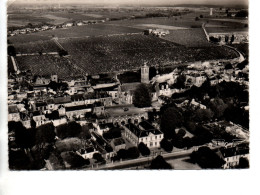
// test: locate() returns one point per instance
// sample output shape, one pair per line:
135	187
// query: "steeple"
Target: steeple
145	73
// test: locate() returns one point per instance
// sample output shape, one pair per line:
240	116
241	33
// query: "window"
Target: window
155	137
151	144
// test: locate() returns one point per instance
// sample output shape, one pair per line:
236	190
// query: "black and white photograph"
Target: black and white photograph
128	86
124	93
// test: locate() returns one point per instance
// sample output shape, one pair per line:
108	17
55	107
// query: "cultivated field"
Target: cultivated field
36	47
120	44
28	38
189	37
112	53
47	65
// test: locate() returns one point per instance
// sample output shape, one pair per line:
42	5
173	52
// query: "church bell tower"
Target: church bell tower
145	73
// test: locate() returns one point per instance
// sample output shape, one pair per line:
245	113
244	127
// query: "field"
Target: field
36	47
112	53
244	48
47	65
28	38
76	32
119	44
21	19
189	37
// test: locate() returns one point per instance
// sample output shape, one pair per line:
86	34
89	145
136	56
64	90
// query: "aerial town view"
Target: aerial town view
121	86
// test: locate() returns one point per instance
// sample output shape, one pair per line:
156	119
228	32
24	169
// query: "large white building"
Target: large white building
143	132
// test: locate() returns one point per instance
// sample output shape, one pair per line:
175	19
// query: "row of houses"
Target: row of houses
52	27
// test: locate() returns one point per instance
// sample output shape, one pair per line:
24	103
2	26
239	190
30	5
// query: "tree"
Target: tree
122	154
18	160
180	82
242	14
63	53
44	134
166	145
53	85
85	133
98	157
181	132
133	153
52	116
114	132
71	129
74	160
207	158
201	115
170	119
144	150
243	163
11	50
142	96
24	138
226	38
232	39
160	163
218	107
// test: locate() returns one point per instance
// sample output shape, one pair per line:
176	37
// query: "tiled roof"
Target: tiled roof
141	133
62	100
81	107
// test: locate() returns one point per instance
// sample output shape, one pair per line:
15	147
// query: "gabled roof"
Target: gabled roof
62	100
39	104
80	107
142	133
77	97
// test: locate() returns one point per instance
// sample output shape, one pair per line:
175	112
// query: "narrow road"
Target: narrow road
142	160
14	62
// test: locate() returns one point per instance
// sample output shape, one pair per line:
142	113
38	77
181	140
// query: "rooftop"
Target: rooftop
80	107
12	109
129	86
142	133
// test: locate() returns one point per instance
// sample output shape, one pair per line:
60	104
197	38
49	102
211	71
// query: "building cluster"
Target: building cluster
156	32
28	30
234	37
104	103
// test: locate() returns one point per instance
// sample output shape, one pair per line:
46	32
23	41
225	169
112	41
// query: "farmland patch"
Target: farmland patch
189	38
56	19
166	27
114	53
36	47
48	64
93	15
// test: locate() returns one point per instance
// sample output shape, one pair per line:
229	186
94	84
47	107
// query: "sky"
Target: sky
169	2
